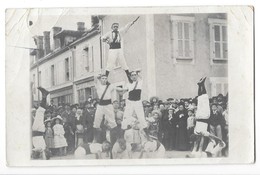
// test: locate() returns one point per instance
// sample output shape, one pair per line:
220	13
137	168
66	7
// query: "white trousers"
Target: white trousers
38	124
130	108
203	112
108	112
203	109
113	56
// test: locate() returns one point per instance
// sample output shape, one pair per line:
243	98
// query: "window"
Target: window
34	85
52	75
67	70
218	39
88	58
182	37
40	78
219	85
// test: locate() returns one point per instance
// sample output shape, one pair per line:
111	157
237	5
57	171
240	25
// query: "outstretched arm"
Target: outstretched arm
127	26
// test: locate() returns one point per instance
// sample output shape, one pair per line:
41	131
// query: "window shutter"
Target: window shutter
212	43
90	58
175	40
191	33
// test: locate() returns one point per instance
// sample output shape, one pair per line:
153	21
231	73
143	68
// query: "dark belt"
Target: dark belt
202	120
37	133
115	46
105	102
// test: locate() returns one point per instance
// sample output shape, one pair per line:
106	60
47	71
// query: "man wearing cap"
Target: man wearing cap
114	40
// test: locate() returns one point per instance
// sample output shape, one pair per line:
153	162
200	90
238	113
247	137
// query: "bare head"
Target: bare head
133	75
103	79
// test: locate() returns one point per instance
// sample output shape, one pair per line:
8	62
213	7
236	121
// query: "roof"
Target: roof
87	35
70	33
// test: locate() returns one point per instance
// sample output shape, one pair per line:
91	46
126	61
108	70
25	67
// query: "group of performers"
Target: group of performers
121	147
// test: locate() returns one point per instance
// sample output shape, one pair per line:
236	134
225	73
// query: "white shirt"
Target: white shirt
121	32
101	88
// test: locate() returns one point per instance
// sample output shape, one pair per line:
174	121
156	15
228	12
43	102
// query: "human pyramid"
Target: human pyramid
122	146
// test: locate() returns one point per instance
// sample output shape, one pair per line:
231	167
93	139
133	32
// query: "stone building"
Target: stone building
172	50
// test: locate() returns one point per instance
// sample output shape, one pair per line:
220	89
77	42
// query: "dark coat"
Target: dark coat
182	140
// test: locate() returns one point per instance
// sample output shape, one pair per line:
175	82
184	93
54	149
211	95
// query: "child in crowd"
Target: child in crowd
190	124
59	139
49	137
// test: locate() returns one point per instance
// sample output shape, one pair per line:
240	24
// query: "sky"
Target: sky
18	28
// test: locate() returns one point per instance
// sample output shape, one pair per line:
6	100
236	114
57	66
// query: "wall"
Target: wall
179	80
45	69
80	71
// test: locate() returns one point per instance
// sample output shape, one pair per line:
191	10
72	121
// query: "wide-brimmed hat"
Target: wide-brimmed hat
58	117
154	97
114	24
170	108
47	120
157	112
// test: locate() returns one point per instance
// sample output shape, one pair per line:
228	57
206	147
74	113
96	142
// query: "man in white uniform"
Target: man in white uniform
38	127
134	103
104	108
114	39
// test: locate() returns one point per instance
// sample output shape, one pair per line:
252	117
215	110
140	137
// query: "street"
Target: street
168	154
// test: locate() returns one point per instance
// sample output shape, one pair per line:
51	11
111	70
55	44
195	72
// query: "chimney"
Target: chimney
46	42
55	41
39	43
81	26
94	20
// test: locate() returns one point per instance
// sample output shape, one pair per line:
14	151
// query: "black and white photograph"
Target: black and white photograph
127	86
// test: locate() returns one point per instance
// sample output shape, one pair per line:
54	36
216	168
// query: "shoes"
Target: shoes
202	80
43	91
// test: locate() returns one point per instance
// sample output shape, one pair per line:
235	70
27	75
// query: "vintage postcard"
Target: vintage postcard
130	86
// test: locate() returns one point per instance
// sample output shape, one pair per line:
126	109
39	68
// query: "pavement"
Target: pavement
168	154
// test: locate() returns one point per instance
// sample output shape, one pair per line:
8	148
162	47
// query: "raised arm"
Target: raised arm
127	26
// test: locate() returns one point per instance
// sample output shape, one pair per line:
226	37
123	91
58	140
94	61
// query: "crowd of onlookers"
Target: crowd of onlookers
172	122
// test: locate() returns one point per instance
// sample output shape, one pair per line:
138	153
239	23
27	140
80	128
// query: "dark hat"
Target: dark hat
181	103
170	99
212	104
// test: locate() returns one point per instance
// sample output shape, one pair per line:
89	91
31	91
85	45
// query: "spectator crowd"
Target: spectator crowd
171	122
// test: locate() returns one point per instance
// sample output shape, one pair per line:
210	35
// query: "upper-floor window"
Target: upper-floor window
40	78
34	84
182	36
88	59
67	70
52	75
218	39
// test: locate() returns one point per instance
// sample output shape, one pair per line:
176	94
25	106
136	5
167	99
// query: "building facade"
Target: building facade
173	52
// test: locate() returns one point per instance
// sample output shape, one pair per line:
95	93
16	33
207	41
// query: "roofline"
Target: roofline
64	49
